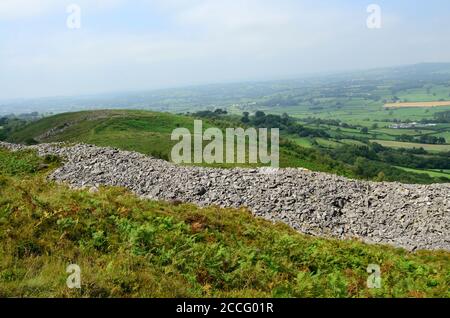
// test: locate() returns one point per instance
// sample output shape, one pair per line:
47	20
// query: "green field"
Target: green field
327	143
304	142
352	142
433	93
427	147
398	132
445	134
431	173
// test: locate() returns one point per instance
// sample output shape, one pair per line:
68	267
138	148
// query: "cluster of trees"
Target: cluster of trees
406	86
260	119
371	161
283	101
321	121
365	130
10	124
439	118
358	162
316	108
302	131
210	114
283	122
379	171
395	157
424	139
329	122
442	117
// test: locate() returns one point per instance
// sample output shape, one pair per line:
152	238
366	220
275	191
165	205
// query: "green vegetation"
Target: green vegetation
24	162
8	125
142	131
410	145
442	117
425	139
364	159
128	247
431	173
320	117
313	144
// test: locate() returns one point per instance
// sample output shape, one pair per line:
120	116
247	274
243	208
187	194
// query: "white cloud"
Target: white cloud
196	41
14	9
234	15
20	9
211	40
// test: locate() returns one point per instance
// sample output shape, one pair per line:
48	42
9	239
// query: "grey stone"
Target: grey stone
402	215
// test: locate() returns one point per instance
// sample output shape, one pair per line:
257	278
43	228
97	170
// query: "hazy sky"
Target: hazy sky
144	44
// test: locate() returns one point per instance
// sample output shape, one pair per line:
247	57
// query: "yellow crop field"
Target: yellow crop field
417	104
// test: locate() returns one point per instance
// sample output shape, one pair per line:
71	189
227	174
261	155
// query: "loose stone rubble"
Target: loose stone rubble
407	216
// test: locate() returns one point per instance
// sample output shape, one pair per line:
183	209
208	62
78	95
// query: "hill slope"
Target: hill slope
149	133
128	247
142	131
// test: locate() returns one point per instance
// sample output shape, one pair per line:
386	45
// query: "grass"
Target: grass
398	132
127	247
445	134
410	145
302	141
327	143
352	142
435	93
148	133
431	173
142	131
24	162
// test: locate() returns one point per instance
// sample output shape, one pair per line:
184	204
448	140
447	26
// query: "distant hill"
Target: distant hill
225	95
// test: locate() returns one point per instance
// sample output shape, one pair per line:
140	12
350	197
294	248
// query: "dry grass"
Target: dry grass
417	104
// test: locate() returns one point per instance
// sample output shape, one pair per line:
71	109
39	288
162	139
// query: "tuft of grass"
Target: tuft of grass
127	247
24	163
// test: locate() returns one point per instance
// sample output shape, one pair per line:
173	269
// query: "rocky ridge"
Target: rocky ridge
407	216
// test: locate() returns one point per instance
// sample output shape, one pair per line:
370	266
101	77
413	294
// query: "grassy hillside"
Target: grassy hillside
149	133
142	131
127	247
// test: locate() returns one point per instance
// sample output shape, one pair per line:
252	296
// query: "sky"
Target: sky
131	45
